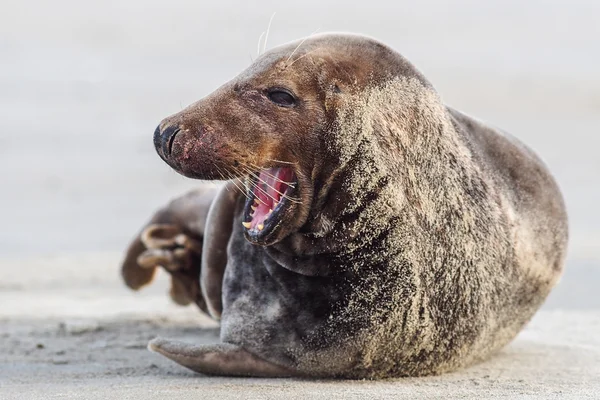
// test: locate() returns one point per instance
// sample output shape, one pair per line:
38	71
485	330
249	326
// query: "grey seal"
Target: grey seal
364	230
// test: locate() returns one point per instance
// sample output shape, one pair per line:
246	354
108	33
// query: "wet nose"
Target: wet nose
163	139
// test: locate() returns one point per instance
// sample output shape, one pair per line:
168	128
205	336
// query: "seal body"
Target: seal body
371	231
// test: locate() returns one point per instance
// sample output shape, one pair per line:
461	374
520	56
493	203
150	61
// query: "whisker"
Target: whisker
259	39
297	47
243	185
292	199
301	43
250	185
255	186
283	195
244	192
281	161
263	171
219	172
302	56
275	190
268	29
247	189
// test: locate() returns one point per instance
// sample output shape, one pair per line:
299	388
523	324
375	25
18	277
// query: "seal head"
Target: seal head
271	125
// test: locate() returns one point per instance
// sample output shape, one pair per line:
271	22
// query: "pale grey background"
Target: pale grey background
83	85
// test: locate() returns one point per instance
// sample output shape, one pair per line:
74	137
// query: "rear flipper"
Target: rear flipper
218	359
188	238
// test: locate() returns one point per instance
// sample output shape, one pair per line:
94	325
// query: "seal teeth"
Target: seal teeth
246	225
253	207
260	227
275	204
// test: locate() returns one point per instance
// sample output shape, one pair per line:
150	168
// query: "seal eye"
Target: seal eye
282	98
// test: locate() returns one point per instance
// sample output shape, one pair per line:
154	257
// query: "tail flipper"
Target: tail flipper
218	359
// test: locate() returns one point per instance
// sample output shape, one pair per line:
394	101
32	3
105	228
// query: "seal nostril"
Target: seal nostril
171	139
163	139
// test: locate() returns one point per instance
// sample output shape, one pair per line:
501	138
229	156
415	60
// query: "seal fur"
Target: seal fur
423	240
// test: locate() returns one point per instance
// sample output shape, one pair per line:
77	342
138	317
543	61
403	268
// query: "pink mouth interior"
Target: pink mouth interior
269	190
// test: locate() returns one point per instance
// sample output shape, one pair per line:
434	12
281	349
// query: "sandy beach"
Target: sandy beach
82	87
106	359
86	338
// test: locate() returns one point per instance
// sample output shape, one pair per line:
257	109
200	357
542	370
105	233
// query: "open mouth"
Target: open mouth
271	194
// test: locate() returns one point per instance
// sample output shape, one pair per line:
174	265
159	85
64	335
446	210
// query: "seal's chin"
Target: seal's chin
269	204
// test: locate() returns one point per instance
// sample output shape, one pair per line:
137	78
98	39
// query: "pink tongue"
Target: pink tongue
268	192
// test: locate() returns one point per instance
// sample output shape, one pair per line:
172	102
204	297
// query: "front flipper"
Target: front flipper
218	359
219	224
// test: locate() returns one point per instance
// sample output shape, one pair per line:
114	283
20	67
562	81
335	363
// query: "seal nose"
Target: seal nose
163	139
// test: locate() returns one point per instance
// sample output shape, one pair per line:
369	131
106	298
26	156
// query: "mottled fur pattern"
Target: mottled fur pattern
427	245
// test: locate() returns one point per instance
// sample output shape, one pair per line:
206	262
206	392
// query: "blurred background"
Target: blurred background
84	84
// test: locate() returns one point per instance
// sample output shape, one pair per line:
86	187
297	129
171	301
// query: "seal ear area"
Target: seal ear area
334	95
218	359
